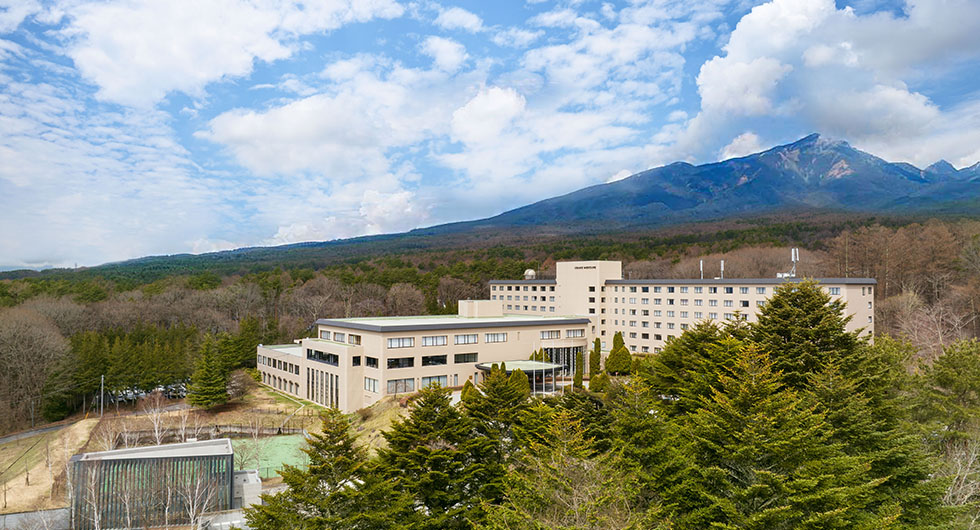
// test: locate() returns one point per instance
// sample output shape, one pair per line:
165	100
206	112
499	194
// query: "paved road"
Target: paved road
32	432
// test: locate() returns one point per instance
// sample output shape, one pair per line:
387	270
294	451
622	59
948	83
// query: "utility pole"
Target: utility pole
101	393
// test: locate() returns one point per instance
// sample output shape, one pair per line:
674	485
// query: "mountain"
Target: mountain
813	173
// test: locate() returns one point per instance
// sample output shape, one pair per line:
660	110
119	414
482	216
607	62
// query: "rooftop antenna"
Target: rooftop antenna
794	256
722	269
701	265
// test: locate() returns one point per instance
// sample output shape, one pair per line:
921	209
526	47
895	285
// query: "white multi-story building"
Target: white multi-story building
354	362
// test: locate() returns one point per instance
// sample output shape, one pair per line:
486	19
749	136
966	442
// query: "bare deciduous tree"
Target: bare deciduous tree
404	299
154	408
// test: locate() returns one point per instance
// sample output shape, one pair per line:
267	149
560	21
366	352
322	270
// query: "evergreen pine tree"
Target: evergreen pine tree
803	329
563	483
579	361
437	457
469	392
339	489
687	369
618	341
766	460
209	384
519	380
532	423
619	362
599	383
595	358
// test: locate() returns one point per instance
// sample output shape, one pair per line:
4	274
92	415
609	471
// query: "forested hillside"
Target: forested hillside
61	331
789	422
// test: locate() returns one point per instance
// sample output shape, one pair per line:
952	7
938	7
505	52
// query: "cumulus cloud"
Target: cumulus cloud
459	18
743	144
807	65
447	54
139	51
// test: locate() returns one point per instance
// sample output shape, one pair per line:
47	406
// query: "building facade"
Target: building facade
650	312
354	362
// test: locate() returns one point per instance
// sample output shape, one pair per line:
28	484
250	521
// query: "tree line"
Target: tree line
789	422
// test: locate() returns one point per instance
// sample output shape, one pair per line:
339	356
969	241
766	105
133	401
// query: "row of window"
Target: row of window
430	360
518	298
336	336
685	301
403	386
696	290
278	364
533	288
473	338
550	309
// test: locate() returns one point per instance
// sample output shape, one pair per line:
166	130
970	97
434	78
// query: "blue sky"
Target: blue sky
146	127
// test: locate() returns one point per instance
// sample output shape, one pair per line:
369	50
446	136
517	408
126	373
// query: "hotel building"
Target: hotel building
354	362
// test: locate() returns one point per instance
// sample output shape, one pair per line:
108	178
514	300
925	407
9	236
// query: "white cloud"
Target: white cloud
447	54
812	66
485	117
743	144
740	87
138	51
13	12
619	175
459	18
516	37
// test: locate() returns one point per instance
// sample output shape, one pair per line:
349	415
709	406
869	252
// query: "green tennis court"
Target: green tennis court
269	454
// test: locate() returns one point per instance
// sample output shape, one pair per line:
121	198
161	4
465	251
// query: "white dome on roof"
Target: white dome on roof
530	274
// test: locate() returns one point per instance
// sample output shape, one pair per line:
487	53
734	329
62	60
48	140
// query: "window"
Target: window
729	290
699	302
338	337
657	313
495	337
633	311
463	358
632	323
551	309
683	314
670	313
591	299
632	334
869	305
645	301
592	288
645	289
683	301
645	312
728	303
744	303
729	316
712	290
401	362
435	340
371	362
713	303
574	333
551	334
670	301
762	303
469	338
670	289
657	301
698	314
509	306
324	334
355	360
433	360
632	300
657	336
713	316
493	287
743	290
645	324
402	342
698	290
834	290
760	290
371	385
400	386
683	326
670	325
440	380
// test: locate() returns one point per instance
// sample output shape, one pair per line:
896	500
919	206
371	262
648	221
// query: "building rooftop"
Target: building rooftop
288	349
439	322
219	447
522	365
732	281
528	282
